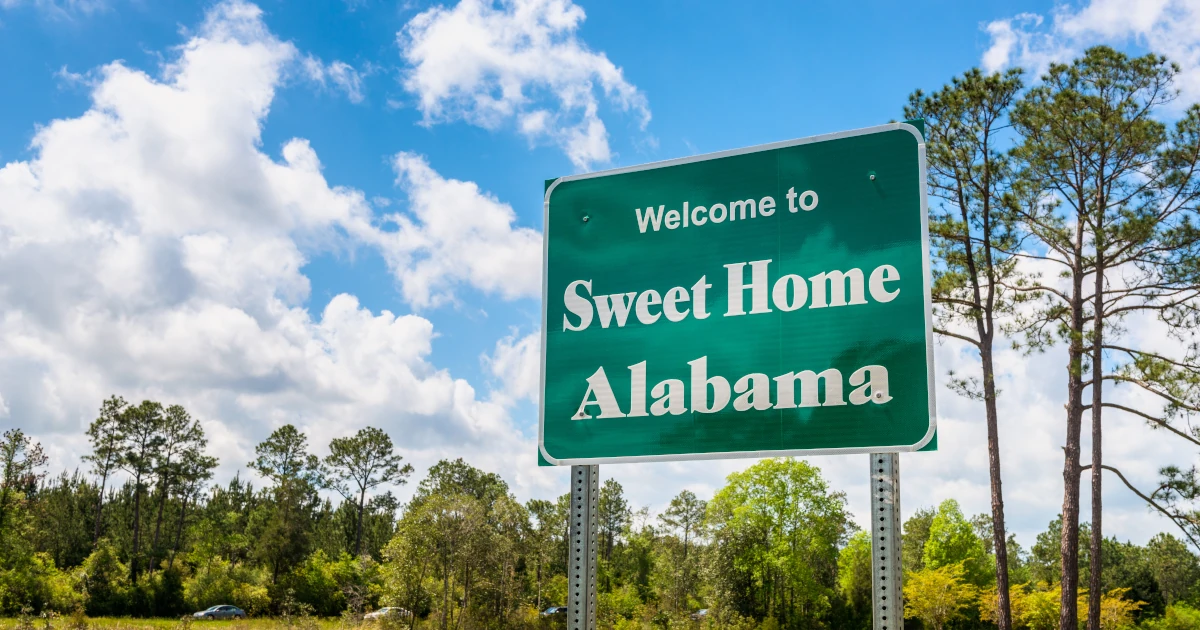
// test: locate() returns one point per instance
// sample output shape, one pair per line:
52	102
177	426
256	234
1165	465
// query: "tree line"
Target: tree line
144	532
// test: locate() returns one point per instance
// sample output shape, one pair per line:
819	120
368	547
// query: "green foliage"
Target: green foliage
35	582
1041	609
327	585
1175	569
457	549
1117	610
777	528
623	603
360	463
1018	562
284	525
1128	566
685	513
854	569
21	460
62	518
169	600
953	541
105	581
938	595
853	608
218	581
915	536
772	549
1045	560
677	570
1177	617
613	513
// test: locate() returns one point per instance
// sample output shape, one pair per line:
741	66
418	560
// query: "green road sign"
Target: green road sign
758	302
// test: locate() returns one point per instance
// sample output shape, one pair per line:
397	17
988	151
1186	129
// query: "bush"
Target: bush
326	585
554	592
104	581
221	582
252	598
622	603
35	582
725	618
168	593
1178	617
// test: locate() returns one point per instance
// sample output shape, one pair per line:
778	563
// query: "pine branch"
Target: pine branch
947	333
1158	421
1146	386
1136	353
1175	518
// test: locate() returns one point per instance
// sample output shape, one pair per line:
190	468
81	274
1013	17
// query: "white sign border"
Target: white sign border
926	265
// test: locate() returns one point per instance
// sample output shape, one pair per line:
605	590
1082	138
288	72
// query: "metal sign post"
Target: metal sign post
581	595
887	601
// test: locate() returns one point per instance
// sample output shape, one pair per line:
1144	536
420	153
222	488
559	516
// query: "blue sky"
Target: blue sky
230	309
716	77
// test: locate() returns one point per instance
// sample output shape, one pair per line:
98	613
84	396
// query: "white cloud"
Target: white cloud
516	364
1167	27
517	61
151	248
454	233
342	75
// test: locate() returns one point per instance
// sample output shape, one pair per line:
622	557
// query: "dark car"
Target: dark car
555	611
221	612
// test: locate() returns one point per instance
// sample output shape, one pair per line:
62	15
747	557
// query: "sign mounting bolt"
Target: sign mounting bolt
586	217
871	174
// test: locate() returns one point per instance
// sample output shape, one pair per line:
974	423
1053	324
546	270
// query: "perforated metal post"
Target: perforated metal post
581	595
886	596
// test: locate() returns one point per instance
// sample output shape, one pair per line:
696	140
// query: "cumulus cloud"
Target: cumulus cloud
151	248
453	234
1167	27
517	62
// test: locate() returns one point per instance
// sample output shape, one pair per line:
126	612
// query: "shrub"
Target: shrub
104	581
1179	616
35	582
622	603
1116	612
221	582
168	593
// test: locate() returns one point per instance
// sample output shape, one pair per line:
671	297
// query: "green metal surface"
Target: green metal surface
868	214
